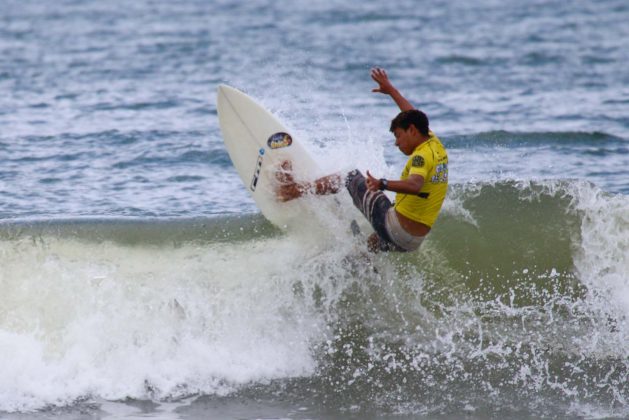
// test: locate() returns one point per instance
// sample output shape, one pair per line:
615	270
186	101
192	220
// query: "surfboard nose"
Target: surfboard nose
226	90
220	91
227	96
223	93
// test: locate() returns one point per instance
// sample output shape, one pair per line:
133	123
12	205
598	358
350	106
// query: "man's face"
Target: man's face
405	139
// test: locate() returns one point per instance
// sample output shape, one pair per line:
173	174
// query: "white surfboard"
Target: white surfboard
257	143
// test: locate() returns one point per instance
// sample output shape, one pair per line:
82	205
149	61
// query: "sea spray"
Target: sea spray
83	319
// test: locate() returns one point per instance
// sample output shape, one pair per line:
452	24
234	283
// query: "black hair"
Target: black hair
415	117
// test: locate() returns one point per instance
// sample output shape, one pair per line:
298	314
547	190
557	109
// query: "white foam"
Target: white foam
603	258
109	321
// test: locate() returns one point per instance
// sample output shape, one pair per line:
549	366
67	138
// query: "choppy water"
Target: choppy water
137	278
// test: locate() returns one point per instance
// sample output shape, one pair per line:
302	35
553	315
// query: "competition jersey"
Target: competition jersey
429	160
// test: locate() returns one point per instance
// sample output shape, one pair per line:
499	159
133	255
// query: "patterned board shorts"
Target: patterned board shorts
378	209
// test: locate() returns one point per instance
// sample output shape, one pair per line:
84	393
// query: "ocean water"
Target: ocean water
138	279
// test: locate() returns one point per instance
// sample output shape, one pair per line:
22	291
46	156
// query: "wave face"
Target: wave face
517	302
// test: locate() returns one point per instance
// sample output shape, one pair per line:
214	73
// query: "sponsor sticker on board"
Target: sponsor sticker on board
279	140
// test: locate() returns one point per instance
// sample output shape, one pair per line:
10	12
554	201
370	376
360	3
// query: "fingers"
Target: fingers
378	74
373	184
380	77
286	188
284	174
375	76
284	177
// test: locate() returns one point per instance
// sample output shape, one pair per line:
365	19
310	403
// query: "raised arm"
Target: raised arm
385	86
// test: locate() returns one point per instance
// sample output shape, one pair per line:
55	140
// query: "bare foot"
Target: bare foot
373	243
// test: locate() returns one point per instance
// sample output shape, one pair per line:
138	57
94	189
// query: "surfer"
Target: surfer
400	226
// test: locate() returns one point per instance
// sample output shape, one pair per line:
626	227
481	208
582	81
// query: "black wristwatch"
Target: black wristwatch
384	184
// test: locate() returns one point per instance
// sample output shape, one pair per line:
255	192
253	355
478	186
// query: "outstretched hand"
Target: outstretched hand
384	85
286	188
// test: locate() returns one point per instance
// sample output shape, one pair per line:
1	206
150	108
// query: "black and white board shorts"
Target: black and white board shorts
378	209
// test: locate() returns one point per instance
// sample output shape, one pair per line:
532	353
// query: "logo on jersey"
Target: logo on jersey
279	140
417	162
441	174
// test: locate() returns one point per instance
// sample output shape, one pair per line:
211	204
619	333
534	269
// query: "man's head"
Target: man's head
410	129
415	117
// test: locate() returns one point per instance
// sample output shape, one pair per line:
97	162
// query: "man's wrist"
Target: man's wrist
384	184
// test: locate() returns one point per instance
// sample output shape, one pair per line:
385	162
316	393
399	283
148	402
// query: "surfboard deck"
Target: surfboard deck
257	143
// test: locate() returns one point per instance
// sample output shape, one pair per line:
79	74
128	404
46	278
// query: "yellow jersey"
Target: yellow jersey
429	160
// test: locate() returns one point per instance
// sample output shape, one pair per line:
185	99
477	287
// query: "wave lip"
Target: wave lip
139	231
